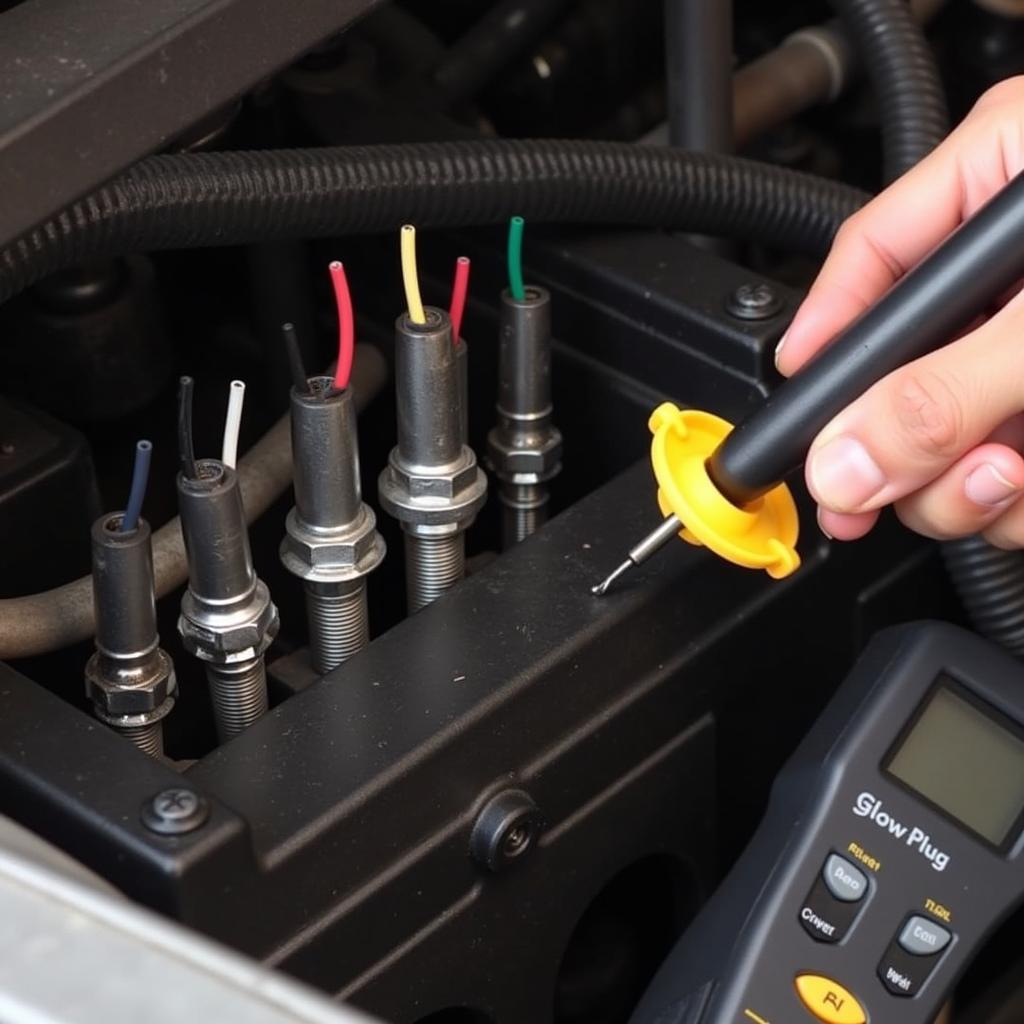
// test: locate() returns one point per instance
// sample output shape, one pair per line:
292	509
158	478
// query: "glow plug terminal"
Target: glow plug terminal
331	540
432	484
227	617
130	678
525	448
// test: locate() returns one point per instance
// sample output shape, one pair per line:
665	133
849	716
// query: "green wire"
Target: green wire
515	259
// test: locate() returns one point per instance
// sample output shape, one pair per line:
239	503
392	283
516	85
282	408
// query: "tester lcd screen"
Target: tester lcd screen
966	763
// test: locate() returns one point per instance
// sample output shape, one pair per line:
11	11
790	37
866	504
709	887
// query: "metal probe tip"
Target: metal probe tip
602	588
639	553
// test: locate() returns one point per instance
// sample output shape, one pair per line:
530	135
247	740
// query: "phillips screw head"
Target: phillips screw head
175	812
754	302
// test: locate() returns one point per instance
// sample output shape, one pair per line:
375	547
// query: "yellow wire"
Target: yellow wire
411	277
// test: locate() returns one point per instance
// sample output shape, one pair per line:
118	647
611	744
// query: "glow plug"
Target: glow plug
525	448
129	679
432	484
227	617
331	540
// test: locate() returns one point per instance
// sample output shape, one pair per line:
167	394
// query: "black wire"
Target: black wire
186	448
298	371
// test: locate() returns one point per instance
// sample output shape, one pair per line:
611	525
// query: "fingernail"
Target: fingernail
987	486
778	348
821	526
843	475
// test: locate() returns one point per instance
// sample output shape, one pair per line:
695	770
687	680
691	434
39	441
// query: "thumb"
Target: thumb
912	425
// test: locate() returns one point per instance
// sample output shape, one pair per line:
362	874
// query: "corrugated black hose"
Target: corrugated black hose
900	64
232	198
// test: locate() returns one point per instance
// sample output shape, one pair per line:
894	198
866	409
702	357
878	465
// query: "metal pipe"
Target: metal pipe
331	540
130	680
432	484
811	67
699	60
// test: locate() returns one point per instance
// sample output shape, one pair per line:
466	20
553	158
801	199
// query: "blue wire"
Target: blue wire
140	477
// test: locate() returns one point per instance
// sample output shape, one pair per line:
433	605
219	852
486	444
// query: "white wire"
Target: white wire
233	423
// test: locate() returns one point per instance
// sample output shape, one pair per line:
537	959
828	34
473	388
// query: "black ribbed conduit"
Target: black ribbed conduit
212	199
990	585
900	64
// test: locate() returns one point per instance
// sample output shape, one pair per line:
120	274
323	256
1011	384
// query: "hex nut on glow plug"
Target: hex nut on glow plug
525	448
227	617
432	484
129	679
331	540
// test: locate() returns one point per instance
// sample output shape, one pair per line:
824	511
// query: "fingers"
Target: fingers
1008	530
902	225
912	426
838	526
969	497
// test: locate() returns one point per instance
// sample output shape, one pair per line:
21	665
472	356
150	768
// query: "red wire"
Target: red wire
459	291
346	326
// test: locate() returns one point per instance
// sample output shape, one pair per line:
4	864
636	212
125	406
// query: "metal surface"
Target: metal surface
525	448
432	484
331	538
66	939
130	679
227	617
79	103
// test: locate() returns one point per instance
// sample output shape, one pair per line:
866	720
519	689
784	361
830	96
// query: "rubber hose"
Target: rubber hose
990	585
503	34
56	618
900	64
205	199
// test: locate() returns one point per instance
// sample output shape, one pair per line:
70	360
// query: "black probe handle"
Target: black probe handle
939	297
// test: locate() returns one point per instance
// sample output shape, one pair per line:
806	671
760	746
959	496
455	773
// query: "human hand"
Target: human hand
940	438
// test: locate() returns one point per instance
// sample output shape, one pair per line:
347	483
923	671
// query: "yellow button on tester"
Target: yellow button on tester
828	1000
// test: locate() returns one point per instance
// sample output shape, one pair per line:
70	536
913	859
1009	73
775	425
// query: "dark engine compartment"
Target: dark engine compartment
633	738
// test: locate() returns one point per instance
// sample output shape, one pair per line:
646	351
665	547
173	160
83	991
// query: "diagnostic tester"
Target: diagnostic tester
892	846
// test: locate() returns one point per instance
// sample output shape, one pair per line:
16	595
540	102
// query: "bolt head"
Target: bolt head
754	301
505	830
530	457
355	552
175	812
127	692
447	485
229	634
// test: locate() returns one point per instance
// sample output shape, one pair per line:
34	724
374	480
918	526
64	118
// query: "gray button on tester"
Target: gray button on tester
844	881
923	937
